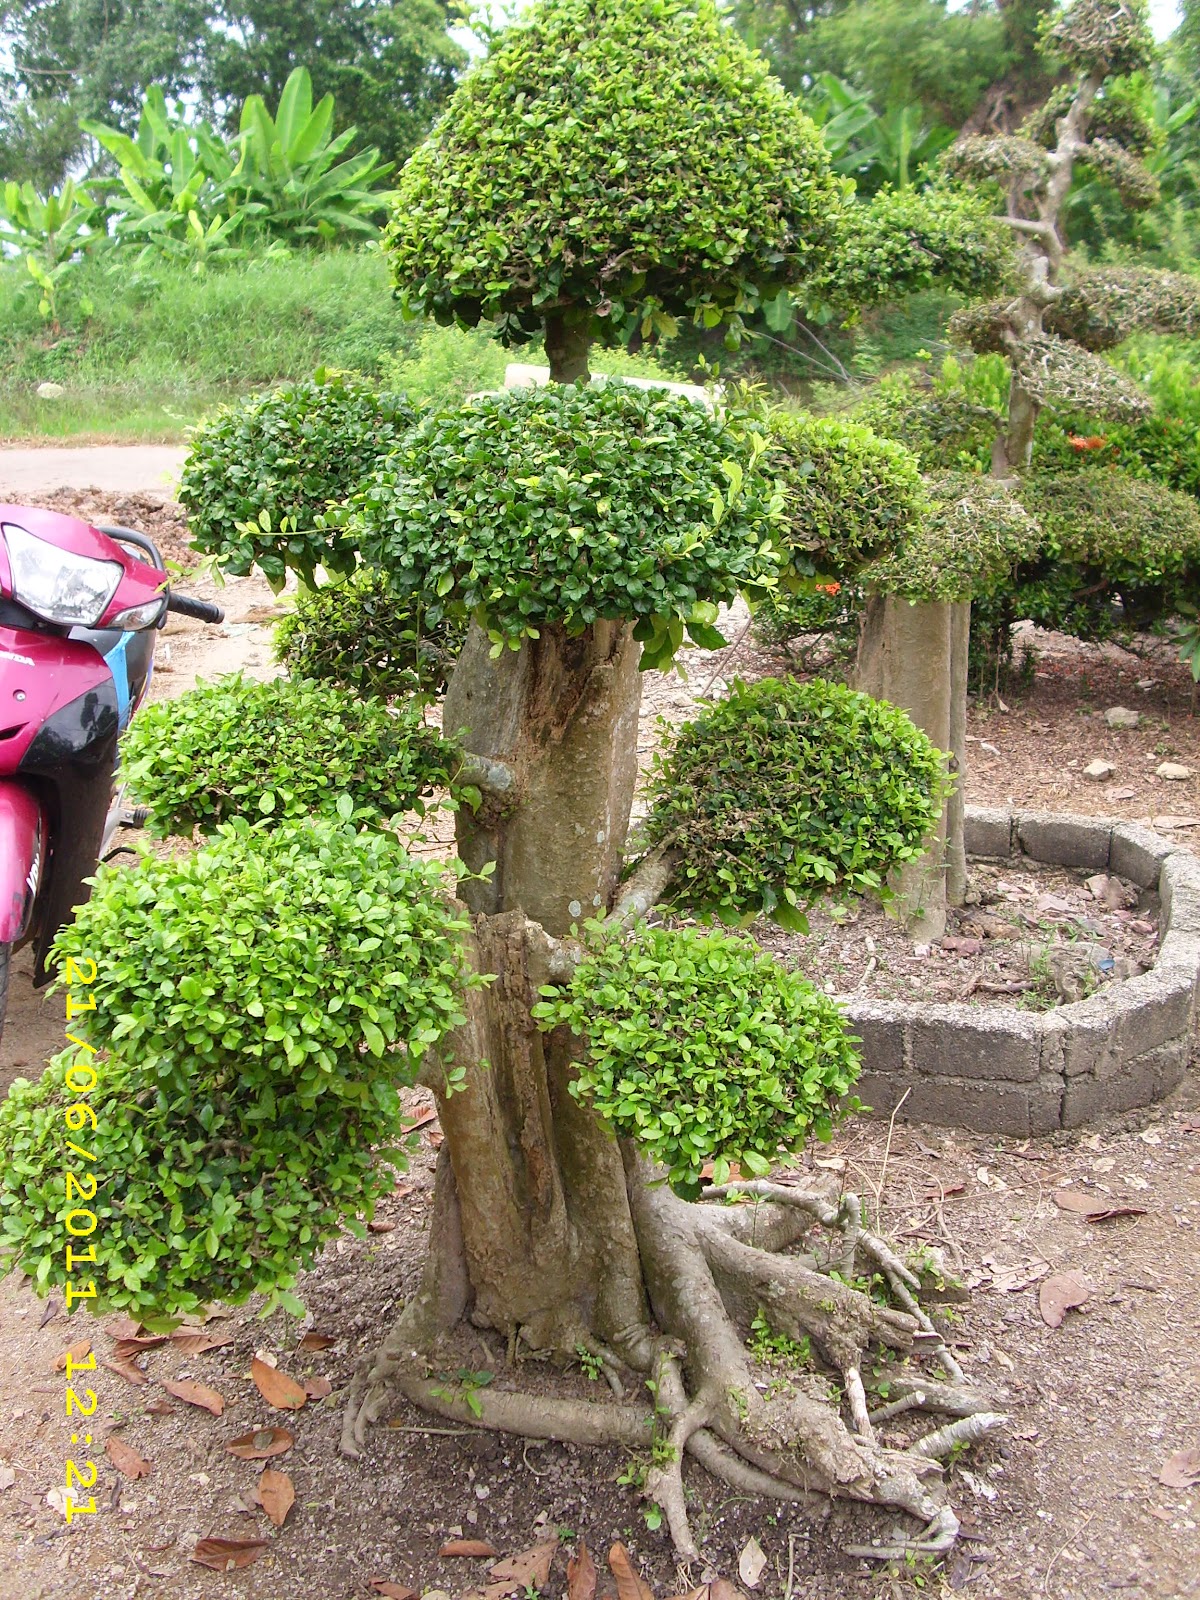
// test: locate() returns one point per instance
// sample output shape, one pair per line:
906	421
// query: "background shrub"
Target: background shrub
849	495
258	1004
262	472
703	1049
362	634
785	791
969	541
564	505
237	748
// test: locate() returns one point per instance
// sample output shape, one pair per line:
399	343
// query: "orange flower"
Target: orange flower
829	588
1091	441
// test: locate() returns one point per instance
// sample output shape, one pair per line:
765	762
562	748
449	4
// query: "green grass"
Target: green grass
162	346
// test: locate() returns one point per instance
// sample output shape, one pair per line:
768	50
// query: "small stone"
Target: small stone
1098	771
1173	770
50	391
1122	717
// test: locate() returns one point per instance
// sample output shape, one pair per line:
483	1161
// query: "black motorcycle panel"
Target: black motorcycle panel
81	731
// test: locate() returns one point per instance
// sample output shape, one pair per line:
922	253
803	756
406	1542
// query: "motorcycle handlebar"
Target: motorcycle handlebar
202	610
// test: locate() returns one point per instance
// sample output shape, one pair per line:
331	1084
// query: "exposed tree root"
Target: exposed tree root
709	1271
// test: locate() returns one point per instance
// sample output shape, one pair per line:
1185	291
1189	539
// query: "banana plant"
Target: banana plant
50	232
290	176
874	150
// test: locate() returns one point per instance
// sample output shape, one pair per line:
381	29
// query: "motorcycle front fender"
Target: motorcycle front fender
23	841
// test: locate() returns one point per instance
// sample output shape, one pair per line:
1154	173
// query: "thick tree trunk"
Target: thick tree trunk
1013	449
567	347
905	655
548	1242
956	806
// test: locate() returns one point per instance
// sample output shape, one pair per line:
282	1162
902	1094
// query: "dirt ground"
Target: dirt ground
1067	1503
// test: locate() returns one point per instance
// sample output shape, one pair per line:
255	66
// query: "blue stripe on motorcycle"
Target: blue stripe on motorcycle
119	667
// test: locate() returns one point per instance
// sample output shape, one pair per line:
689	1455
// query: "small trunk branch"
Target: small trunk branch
567	346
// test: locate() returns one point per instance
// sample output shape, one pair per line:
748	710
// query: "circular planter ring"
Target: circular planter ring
1025	1073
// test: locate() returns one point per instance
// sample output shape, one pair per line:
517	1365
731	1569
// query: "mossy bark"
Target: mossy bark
567	347
547	1237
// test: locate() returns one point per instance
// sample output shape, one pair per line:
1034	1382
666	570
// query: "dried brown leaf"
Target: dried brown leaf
1182	1470
78	1351
227	1555
317	1341
380	1225
262	1444
1077	1201
123	1327
722	1589
751	1563
158	1407
276	1388
393	1591
195	1394
629	1581
128	1371
317	1388
135	1343
193	1342
1058	1294
276	1495
581	1575
527	1567
126	1459
467	1547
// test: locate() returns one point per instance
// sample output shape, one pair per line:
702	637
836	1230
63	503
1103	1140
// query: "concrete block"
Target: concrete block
879	1024
880	1093
1019	1110
1138	853
1153	1009
988	832
1179	888
1064	841
960	1041
1141	1081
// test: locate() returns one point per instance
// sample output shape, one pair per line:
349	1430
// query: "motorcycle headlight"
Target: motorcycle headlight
138	617
58	586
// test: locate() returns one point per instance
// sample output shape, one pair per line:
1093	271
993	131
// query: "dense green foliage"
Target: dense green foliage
702	1049
258	1004
365	635
262	472
285	748
785	791
849	495
389	66
629	160
970	541
562	505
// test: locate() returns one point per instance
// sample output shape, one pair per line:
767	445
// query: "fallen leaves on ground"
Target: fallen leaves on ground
751	1563
317	1341
317	1388
158	1407
629	1581
1182	1470
1094	1208
195	1394
393	1591
193	1342
79	1351
468	1547
8	1476
276	1495
125	1458
276	1388
581	1575
129	1371
1060	1293
123	1327
262	1444
227	1555
527	1568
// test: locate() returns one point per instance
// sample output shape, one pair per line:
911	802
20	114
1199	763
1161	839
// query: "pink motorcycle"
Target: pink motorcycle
80	609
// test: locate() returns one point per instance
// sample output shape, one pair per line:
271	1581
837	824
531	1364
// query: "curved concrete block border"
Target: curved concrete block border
1027	1073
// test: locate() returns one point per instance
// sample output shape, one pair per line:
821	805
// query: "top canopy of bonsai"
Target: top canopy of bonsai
629	159
564	505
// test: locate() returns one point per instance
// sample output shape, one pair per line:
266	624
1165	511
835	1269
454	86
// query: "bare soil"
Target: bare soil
1067	1503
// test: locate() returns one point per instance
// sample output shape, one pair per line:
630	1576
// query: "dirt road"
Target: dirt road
26	474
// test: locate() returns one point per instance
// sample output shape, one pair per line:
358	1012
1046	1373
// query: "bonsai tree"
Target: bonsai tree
1051	329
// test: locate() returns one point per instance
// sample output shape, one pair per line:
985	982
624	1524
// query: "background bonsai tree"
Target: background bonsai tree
1051	330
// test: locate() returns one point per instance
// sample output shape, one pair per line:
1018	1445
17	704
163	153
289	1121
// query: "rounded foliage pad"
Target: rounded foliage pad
785	791
259	1002
969	542
237	748
564	505
702	1049
849	495
363	634
278	461
631	159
